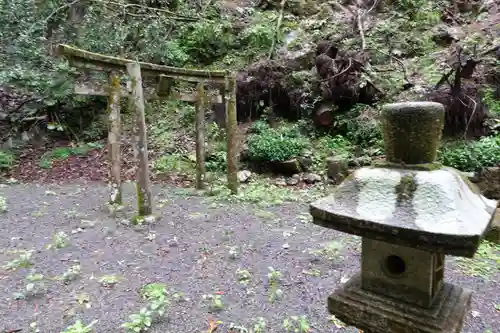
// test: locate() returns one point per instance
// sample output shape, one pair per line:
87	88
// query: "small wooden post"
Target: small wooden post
200	136
231	127
144	197
114	138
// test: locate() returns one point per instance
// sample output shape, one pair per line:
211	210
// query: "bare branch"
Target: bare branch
374	5
278	27
57	10
471	116
361	29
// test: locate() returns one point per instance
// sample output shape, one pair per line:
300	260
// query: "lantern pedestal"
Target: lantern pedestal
372	312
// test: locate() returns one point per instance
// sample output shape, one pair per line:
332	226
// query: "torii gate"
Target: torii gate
164	75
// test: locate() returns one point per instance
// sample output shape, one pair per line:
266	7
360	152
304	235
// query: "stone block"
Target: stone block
337	168
493	234
488	182
371	312
401	272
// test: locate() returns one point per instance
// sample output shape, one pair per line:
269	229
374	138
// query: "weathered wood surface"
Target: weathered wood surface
85	59
232	128
200	137
149	94
114	138
144	197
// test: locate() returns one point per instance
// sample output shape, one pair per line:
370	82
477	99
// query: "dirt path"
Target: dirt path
195	248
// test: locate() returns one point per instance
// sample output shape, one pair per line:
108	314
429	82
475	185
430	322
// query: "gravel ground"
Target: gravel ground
189	250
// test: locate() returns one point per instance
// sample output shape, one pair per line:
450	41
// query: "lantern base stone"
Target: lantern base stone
374	313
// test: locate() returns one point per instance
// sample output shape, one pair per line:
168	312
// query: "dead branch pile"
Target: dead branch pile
340	76
466	114
261	86
335	78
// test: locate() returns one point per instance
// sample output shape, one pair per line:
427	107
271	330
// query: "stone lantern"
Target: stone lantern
410	211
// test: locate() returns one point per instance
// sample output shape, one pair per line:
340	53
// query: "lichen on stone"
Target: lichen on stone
406	188
412	131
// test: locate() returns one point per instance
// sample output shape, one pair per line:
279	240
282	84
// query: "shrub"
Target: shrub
276	144
207	40
188	116
335	144
173	163
62	153
472	156
258	127
492	101
259	36
6	160
217	159
360	126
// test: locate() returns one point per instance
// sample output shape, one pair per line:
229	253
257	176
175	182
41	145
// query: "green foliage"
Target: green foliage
6	160
25	59
139	322
158	301
23	261
24	56
173	163
216	157
165	119
260	33
59	240
80	327
217	160
276	144
258	37
62	153
134	32
156	294
492	102
327	146
422	11
360	126
296	324
153	290
483	264
35	285
187	116
405	33
97	129
335	145
258	127
472	156
206	41
27	29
